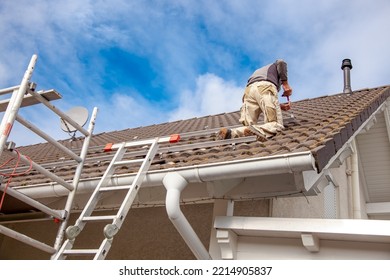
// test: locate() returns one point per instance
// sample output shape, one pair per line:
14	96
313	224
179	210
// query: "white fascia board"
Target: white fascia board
329	229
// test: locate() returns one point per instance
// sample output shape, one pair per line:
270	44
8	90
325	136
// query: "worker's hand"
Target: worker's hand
285	106
287	90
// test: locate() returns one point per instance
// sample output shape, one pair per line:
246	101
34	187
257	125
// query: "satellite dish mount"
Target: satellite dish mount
79	115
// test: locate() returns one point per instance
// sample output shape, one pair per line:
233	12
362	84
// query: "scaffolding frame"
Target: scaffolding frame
25	95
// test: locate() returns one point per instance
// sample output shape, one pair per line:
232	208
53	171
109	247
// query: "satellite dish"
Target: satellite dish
79	115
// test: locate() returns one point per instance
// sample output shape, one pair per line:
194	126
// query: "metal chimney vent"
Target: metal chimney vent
346	66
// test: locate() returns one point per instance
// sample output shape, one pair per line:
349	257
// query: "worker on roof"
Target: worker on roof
261	95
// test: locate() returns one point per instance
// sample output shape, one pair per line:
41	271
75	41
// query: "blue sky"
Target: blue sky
148	62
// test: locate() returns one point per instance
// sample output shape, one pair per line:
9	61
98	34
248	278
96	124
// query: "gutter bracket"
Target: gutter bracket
227	241
329	177
219	188
311	242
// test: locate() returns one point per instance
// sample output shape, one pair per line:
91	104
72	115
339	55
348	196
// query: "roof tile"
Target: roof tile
322	125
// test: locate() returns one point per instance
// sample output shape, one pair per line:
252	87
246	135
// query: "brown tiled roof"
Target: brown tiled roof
320	125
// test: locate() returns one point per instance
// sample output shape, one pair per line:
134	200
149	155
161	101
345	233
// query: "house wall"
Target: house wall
147	233
315	206
298	207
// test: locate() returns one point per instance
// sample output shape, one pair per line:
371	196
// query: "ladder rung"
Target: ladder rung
135	143
98	218
128	162
80	252
116	188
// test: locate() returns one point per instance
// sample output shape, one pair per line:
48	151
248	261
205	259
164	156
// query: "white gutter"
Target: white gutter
174	183
279	164
176	179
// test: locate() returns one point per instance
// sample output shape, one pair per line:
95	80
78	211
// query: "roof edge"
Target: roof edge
272	165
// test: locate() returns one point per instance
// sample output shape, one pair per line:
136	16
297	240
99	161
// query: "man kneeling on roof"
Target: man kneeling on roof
261	95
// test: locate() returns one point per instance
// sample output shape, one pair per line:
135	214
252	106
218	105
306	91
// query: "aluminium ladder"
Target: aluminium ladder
110	230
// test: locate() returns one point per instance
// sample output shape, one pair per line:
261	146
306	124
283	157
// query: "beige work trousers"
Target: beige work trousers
260	97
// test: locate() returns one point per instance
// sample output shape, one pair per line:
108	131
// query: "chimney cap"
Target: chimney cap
346	63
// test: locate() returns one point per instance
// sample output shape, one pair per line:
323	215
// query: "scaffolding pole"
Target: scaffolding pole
14	105
27	240
47	137
8	90
58	112
42	170
76	179
24	198
25	95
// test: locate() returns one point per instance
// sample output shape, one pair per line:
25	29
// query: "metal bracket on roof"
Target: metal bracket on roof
329	177
207	131
347	152
369	125
10	145
208	144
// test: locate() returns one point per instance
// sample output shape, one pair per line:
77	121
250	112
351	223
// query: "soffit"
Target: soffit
374	159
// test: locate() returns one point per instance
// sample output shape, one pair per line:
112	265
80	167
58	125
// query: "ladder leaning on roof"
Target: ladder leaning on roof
110	230
25	95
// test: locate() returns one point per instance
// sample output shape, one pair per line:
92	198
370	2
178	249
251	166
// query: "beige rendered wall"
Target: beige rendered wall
147	233
314	206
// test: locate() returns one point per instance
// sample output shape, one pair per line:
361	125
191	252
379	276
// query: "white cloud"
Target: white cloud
181	40
212	95
321	36
122	111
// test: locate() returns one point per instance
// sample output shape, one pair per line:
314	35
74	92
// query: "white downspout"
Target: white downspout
175	183
357	212
348	172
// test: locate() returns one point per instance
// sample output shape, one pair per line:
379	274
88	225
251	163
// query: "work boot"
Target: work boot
250	131
224	133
